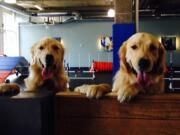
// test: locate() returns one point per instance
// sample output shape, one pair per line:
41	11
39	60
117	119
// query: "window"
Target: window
10	35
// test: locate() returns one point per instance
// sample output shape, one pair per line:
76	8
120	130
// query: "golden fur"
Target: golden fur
137	47
9	89
94	90
46	71
57	81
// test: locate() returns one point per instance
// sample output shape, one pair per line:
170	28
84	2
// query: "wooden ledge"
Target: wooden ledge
150	115
166	97
164	106
28	96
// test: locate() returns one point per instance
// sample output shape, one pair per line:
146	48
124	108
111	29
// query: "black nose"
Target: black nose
49	59
143	64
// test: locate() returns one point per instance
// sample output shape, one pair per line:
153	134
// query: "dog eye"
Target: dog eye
41	47
55	48
134	47
152	48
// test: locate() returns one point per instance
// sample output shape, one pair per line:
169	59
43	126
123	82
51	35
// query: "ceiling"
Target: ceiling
92	9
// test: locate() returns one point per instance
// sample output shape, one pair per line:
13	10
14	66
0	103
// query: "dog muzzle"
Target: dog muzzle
143	78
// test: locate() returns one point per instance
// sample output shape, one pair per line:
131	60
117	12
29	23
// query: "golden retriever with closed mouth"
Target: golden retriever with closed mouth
142	61
46	68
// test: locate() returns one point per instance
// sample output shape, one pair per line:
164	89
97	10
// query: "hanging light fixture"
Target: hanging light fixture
111	13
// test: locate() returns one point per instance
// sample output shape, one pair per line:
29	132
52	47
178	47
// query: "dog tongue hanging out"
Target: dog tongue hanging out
143	79
142	62
46	69
47	73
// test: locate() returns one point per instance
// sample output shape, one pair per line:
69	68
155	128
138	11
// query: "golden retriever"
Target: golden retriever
142	61
46	68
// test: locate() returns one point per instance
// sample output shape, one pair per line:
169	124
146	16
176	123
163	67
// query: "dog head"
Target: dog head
48	55
143	55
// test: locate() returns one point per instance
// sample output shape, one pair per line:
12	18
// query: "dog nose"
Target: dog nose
49	59
143	64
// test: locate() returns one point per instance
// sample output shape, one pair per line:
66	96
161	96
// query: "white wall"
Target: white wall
80	40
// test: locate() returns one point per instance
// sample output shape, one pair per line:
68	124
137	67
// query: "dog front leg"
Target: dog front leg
128	92
32	84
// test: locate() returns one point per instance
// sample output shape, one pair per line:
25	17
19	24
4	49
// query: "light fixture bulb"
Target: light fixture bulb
10	1
111	13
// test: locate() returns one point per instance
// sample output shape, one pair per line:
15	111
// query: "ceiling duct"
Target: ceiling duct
55	14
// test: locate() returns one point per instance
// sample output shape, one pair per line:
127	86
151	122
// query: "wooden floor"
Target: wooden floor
145	115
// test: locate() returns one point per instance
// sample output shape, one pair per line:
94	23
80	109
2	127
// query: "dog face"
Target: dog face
48	55
144	53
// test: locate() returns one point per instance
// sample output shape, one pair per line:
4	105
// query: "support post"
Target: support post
123	27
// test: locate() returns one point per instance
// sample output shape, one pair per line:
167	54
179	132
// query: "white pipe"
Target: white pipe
173	79
137	15
71	71
82	78
176	71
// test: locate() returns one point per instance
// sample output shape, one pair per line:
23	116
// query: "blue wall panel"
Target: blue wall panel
121	32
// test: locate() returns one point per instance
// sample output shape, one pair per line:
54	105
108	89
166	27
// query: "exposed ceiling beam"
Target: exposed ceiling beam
64	3
94	9
15	9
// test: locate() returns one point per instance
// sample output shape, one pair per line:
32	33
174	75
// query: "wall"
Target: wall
80	40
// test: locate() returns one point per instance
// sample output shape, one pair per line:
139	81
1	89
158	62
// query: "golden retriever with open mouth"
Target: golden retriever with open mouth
142	61
46	69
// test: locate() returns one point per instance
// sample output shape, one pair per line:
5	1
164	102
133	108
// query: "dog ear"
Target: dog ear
32	50
62	51
160	64
33	53
122	55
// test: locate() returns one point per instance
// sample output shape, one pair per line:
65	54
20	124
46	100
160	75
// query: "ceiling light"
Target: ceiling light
10	1
38	7
111	13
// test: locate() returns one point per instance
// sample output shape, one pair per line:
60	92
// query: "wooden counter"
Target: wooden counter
145	115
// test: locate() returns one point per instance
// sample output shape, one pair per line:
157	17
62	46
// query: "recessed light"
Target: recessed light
10	1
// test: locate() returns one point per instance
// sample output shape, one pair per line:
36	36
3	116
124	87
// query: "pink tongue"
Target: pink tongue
143	79
46	73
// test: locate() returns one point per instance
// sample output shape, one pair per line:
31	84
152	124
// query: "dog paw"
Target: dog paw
125	95
9	89
93	91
